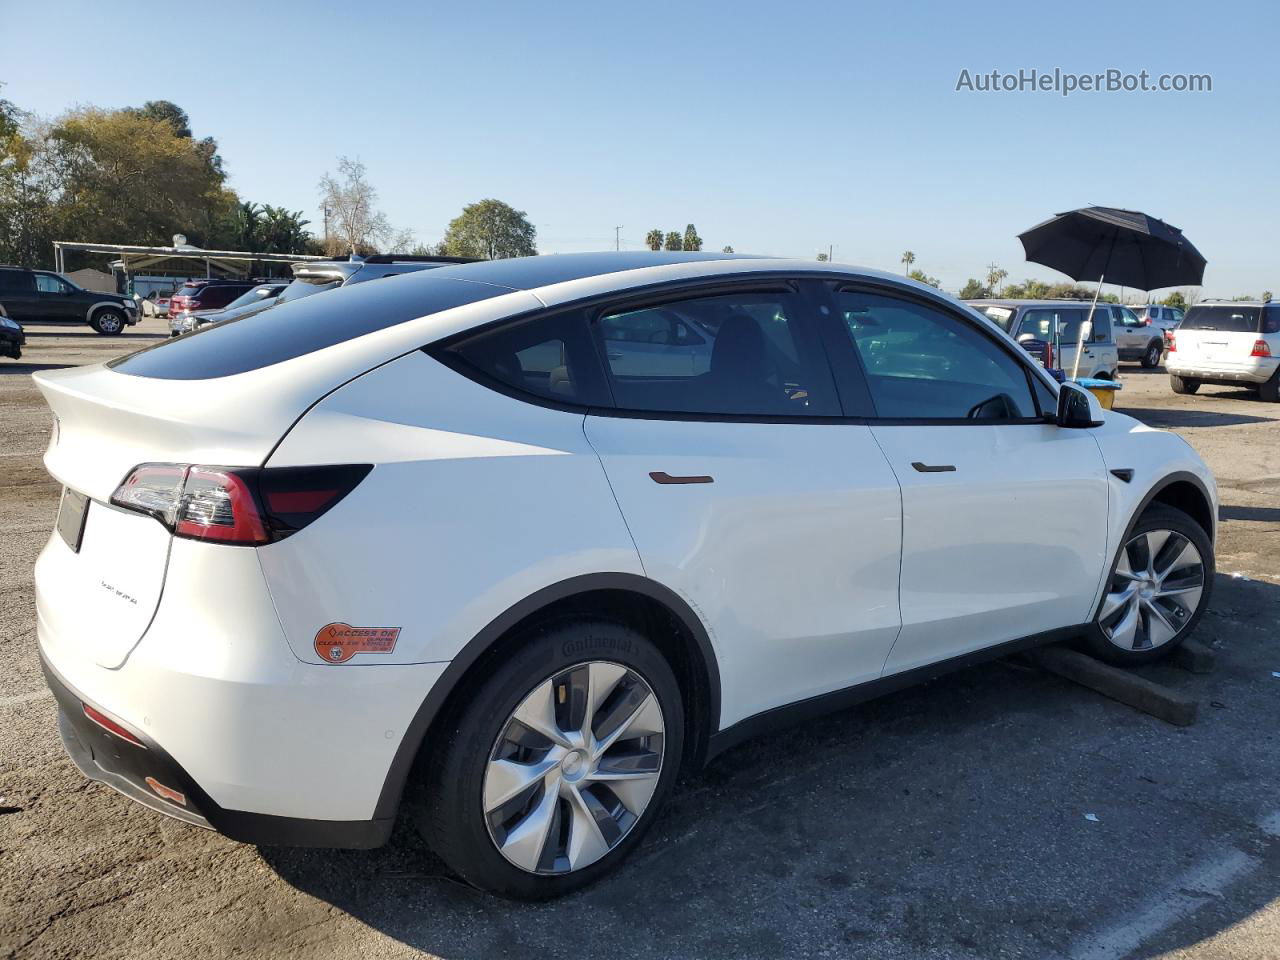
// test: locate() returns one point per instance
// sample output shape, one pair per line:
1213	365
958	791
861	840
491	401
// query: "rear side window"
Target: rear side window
16	281
549	356
741	354
922	363
290	330
1227	318
1038	322
1271	320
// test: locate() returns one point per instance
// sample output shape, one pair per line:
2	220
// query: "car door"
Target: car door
54	301
1131	336
1004	516
18	294
749	495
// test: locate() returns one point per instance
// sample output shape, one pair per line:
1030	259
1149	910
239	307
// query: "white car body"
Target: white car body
819	563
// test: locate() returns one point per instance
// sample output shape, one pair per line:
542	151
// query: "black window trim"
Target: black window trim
805	284
839	285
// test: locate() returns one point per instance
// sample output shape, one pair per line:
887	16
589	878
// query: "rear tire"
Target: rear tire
511	806
108	322
1159	586
1270	390
1184	385
1151	358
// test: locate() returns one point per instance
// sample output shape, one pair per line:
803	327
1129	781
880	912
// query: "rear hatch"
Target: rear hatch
223	396
1219	335
101	575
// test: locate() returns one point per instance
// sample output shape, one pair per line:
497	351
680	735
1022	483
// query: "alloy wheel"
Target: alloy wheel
1154	592
109	323
574	768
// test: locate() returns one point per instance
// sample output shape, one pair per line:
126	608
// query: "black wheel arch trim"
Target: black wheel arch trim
415	734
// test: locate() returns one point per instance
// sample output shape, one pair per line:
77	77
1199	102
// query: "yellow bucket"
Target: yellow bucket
1104	390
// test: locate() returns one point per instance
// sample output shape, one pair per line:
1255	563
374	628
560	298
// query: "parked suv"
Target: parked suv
40	296
1031	323
196	295
1138	338
1227	343
1161	316
465	541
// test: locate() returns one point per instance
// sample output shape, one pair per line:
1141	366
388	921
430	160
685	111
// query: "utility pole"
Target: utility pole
617	242
830	252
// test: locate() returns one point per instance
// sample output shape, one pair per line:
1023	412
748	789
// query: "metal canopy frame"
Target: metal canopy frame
139	257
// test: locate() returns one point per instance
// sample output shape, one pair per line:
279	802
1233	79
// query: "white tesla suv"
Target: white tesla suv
468	523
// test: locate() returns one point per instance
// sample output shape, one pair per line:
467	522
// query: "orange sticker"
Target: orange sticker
339	642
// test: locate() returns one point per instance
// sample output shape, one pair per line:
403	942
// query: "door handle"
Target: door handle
661	476
928	468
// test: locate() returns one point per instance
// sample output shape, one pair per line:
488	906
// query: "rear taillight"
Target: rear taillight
246	506
1260	348
1171	341
1048	356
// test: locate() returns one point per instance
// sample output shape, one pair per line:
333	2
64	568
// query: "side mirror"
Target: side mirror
1078	409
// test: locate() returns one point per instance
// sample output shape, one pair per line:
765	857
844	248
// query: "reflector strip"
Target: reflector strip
109	725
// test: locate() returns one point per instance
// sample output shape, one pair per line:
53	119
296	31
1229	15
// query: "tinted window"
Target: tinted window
292	329
1271	320
743	354
1130	319
548	356
1227	318
305	288
16	281
1002	317
1101	322
922	363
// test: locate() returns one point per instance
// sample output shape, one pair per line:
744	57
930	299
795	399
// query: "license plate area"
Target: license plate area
71	516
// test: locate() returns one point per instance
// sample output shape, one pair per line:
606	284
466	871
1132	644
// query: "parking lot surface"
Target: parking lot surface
998	812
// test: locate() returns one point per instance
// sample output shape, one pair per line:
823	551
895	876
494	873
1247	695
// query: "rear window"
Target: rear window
1225	318
290	330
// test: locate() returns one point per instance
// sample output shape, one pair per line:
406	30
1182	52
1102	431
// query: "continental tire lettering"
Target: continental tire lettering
572	647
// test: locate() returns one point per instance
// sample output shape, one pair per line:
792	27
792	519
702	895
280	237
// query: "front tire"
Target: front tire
1270	390
1151	358
1184	385
108	322
1158	589
548	772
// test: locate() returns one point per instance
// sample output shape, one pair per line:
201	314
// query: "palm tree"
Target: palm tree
994	277
653	239
246	220
908	258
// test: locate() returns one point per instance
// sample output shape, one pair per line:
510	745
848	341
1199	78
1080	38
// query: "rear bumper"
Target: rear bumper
129	769
1252	370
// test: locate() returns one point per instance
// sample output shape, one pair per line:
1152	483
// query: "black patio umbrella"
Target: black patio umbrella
1123	247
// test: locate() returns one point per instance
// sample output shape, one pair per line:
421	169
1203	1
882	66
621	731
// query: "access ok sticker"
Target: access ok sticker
339	642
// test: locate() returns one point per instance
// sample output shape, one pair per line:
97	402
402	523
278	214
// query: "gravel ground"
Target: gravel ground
948	821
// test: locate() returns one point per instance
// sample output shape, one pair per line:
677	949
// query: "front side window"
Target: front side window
1002	317
737	354
1038	322
48	283
1130	319
549	356
922	363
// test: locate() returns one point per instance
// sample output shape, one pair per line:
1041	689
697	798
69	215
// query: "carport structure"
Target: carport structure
180	258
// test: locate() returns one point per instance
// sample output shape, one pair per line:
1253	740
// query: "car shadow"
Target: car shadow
996	811
1178	417
7	368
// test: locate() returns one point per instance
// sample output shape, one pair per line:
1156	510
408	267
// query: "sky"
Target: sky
775	128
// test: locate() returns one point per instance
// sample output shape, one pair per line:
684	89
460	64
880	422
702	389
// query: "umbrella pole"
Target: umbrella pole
1075	370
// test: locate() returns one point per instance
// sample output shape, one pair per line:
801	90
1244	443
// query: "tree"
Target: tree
122	177
726	249
1175	299
492	230
973	290
691	239
245	220
995	277
653	239
908	258
921	277
355	224
1266	296
284	231
166	111
822	258
673	242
